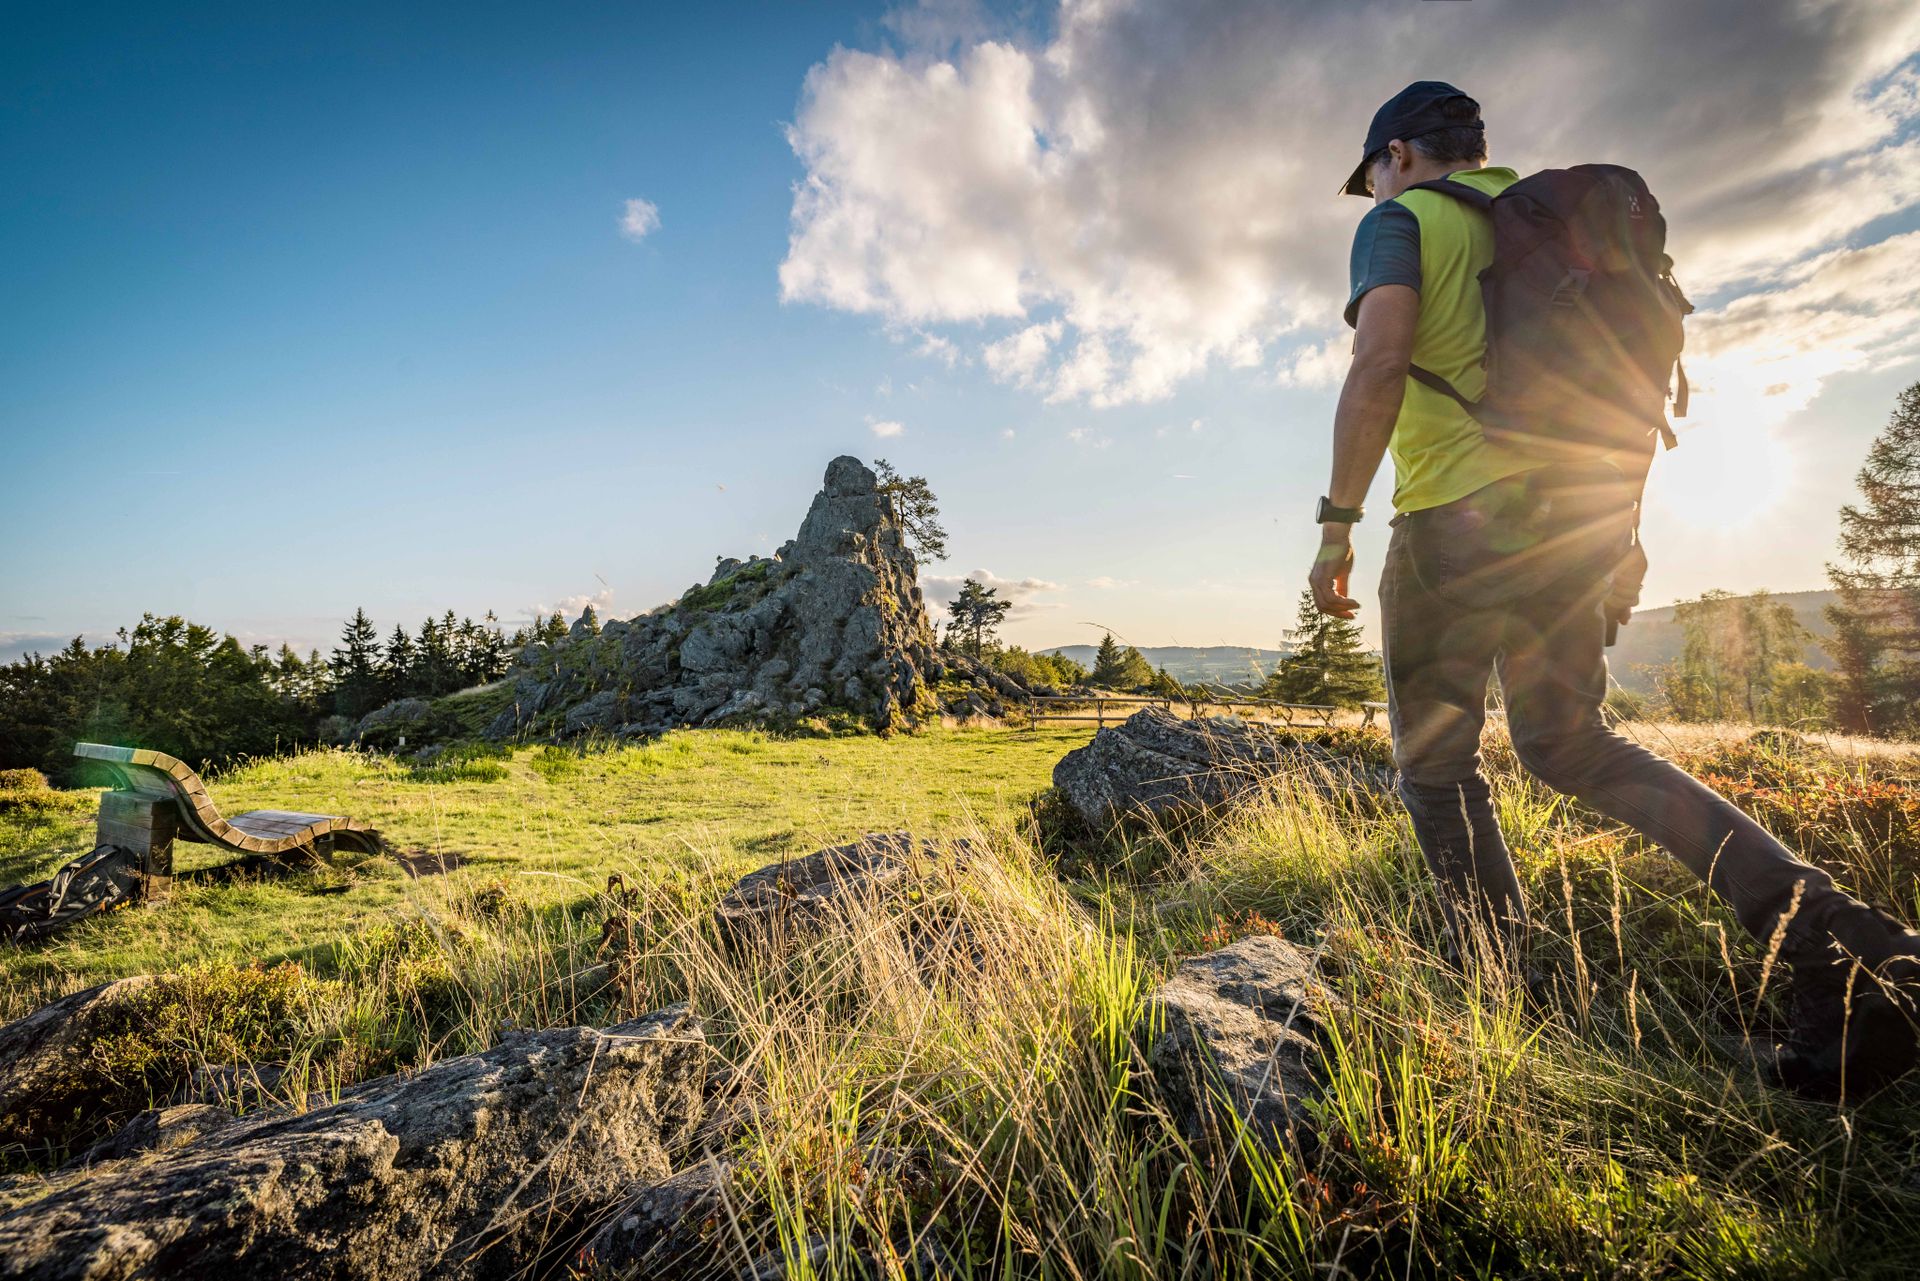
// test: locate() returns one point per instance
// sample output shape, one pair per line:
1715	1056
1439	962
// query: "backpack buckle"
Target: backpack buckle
1572	287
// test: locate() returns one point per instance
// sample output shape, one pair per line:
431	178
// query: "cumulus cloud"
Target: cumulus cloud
1146	191
638	219
1021	593
886	428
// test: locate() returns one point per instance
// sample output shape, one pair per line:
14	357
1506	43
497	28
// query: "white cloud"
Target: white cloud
934	347
1006	433
1765	355
1019	357
885	428
1317	367
1104	583
1147	192
1088	438
639	218
1021	593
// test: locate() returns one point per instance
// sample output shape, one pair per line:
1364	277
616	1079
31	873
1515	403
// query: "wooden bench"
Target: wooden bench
1372	710
157	799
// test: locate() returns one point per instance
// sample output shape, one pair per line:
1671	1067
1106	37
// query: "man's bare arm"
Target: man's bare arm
1362	425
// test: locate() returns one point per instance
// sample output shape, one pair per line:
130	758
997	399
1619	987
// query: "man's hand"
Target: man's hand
1623	591
1332	567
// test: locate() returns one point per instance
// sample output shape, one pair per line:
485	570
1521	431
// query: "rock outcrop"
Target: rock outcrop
1241	1026
1156	765
42	1084
807	895
833	621
481	1166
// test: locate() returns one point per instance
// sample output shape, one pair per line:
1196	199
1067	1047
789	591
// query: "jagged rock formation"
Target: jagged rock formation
834	620
1156	765
481	1166
1242	1028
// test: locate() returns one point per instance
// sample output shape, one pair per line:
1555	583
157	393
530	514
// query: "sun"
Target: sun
1734	467
1723	477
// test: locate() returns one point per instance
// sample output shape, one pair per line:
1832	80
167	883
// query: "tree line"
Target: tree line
192	692
1326	663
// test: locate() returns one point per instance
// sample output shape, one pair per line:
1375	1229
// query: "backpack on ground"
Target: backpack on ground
1584	319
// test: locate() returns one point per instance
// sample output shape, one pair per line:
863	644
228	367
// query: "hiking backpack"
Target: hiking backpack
1583	315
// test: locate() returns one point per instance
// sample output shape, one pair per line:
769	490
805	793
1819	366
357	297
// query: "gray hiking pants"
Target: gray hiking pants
1511	580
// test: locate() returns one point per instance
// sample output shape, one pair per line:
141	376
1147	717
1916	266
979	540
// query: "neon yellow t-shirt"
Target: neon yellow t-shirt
1439	246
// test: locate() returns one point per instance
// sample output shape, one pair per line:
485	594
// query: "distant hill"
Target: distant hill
1218	664
1653	639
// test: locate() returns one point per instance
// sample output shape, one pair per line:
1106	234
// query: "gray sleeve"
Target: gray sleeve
1386	251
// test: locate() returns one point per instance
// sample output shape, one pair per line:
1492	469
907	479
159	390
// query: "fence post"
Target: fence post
1100	710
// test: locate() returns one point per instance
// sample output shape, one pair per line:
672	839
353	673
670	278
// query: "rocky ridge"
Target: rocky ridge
832	622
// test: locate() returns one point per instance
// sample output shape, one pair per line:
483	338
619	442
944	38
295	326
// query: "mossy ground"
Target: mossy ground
1611	1133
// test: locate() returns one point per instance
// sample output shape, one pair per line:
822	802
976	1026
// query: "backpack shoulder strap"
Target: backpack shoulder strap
1460	191
1427	378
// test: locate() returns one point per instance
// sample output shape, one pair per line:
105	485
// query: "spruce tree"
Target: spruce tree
397	669
1877	618
356	668
1117	666
1109	663
1327	664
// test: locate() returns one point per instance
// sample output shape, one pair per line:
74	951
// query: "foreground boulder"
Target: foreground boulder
1156	765
804	896
481	1166
43	1081
1241	1028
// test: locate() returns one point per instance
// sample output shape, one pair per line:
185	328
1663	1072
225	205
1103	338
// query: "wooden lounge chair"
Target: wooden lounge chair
158	799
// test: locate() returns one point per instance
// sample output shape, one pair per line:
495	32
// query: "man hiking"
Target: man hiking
1515	552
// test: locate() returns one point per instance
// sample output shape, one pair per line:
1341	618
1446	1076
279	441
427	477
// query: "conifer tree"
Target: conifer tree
356	667
1107	663
1328	664
1877	618
397	668
918	509
1117	666
977	612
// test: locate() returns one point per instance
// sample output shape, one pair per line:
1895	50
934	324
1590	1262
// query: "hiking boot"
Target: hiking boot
1854	1009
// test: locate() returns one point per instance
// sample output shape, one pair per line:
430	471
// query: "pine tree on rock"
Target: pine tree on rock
1328	664
1877	618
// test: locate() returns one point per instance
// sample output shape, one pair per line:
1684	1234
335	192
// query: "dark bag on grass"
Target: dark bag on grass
94	882
1584	320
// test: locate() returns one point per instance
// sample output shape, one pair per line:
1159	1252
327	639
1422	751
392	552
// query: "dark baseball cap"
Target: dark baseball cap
1416	110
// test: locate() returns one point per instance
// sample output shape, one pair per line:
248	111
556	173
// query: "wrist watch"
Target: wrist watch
1326	513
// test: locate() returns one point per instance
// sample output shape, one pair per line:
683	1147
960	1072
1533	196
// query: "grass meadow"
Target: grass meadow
955	1084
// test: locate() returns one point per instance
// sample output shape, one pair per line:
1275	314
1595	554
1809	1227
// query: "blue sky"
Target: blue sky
308	310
